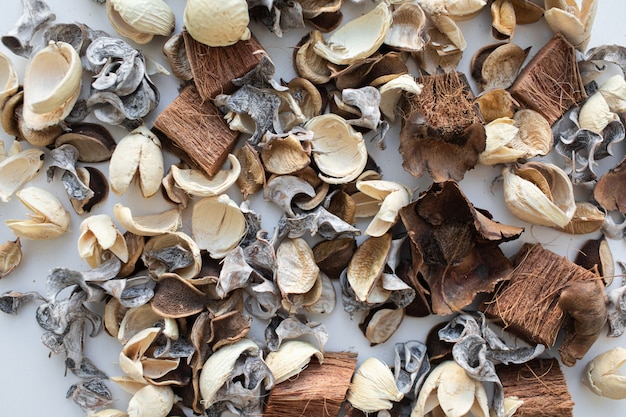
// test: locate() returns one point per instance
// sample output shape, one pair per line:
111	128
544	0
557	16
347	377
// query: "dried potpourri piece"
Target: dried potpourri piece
373	387
507	14
407	31
278	16
574	22
17	168
65	158
291	358
443	15
223	24
35	14
50	219
294	327
10	256
595	255
441	131
609	192
93	141
141	21
496	66
602	374
455	246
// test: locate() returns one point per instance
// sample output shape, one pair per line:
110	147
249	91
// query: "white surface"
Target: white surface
34	383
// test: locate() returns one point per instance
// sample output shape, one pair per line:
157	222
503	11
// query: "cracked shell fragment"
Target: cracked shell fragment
99	234
367	264
141	20
373	387
52	84
338	150
150	224
357	39
574	22
17	169
217	225
214	23
139	155
49	219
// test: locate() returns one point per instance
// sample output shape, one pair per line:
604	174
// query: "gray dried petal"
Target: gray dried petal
263	300
11	301
57	316
179	348
280	329
613	230
367	100
411	366
35	14
615	54
616	311
110	108
104	49
75	361
172	258
121	77
65	157
281	190
79	112
260	254
260	76
318	221
235	273
53	341
348	297
90	395
78	35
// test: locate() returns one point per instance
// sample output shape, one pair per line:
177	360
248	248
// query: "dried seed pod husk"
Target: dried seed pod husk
155	249
407	28
52	84
217	225
602	374
17	169
98	235
176	55
573	22
500	133
587	219
12	114
139	319
49	219
503	19
151	401
175	297
296	270
333	256
93	141
393	195
595	113
595	255
357	39
10	256
291	358
282	189
308	97
9	82
609	190
97	183
340	156
197	183
539	193
34	15
495	104
534	133
367	264
112	316
223	24
373	388
138	154
150	224
381	323
135	245
285	153
141	20
496	66
439	53
341	205
252	174
307	63
392	91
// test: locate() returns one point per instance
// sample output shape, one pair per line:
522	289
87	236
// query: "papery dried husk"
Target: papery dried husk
176	55
587	219
228	328
325	303
407	29
196	183
439	53
307	96
495	104
609	190
135	245
282	189
291	358
175	297
49	219
9	82
341	205
307	63
393	195
313	8
12	114
221	25
17	169
357	39
503	19
392	91
305	202
373	387
338	150
534	134
93	141
496	66
137	319
374	71
285	153
171	240
151	401
10	256
98	235
217	225
500	133
381	323
252	174
595	113
527	12
150	224
296	270
141	20
333	256
367	264
34	15
574	22
97	183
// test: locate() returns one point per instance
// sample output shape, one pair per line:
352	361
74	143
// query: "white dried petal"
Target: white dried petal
222	24
499	134
196	183
373	388
49	219
151	401
9	82
393	195
296	269
602	374
574	23
217	225
614	92
98	234
291	358
595	114
150	224
392	91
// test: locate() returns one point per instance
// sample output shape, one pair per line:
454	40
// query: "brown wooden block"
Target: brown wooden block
550	83
540	384
527	304
196	131
213	68
318	391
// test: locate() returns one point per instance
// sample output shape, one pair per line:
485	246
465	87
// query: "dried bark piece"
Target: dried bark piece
441	132
319	390
214	68
528	304
540	384
550	83
196	131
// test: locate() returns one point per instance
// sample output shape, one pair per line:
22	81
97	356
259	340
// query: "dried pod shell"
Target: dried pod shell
252	175
137	154
97	182
11	114
367	264
167	241
51	85
196	183
285	153
222	24
148	225
573	22
140	319
373	387
141	20
307	63
17	169
587	219
495	104
357	39
602	374
380	324
498	65
93	141
393	195
503	19
407	29
151	401
9	83
291	358
10	256
217	225
175	297
97	235
333	256
49	219
391	92
176	55
296	270
338	150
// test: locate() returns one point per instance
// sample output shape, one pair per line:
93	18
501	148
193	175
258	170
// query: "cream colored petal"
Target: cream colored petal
151	401
217	225
98	233
148	225
196	183
595	114
49	219
296	270
291	358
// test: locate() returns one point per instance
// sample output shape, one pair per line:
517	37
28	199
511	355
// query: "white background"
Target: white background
34	383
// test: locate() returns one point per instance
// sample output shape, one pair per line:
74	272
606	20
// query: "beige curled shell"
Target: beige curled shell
381	324
499	135
574	22
51	85
534	134
539	193
219	366
614	92
307	63
10	256
49	219
296	269
367	264
167	242
138	319
391	92
393	196
215	23
357	39
137	155
99	234
9	83
587	219
602	374
151	401
93	141
496	66
451	390
150	224
140	20
407	29
17	169
217	225
197	183
373	387
338	150
286	153
291	358
595	114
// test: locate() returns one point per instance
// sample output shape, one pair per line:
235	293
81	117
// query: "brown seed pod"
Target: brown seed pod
175	297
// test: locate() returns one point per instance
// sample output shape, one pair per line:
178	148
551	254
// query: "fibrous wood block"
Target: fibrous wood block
213	68
540	384
527	303
318	391
550	83
196	131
